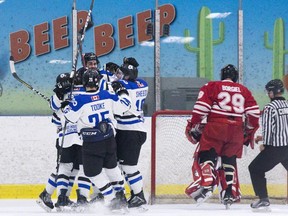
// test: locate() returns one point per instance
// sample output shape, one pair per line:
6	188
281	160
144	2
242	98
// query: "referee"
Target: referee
274	149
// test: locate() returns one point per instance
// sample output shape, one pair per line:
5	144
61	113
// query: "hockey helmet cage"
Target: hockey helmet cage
229	71
63	81
129	71
275	85
91	78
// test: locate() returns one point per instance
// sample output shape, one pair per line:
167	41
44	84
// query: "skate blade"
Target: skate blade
43	206
202	200
120	211
262	209
139	209
227	206
80	208
66	209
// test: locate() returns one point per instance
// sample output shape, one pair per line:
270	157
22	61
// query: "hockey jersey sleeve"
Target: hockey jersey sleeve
73	111
121	104
203	104
252	111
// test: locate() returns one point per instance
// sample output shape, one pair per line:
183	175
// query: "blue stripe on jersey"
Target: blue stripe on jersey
61	135
138	84
128	122
53	105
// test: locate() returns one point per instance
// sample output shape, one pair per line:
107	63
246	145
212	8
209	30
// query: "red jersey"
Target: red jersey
228	100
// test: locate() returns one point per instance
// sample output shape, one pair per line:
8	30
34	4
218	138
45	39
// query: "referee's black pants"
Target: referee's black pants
264	162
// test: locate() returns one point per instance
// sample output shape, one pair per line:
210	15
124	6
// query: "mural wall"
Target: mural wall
203	38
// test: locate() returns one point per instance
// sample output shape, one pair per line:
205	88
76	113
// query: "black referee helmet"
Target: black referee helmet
276	86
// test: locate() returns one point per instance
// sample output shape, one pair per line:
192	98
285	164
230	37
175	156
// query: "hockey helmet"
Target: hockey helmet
275	85
229	71
91	57
63	81
91	78
129	72
79	75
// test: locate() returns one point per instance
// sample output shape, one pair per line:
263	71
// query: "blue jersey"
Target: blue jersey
93	107
133	119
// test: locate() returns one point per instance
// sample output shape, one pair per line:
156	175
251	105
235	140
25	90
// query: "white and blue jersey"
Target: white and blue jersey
93	107
108	76
71	133
134	118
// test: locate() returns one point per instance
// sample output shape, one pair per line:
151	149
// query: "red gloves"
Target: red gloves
194	132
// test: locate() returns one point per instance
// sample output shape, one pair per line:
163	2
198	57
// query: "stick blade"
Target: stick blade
12	65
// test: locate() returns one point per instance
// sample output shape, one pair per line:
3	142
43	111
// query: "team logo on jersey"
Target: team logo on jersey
139	84
76	89
95	97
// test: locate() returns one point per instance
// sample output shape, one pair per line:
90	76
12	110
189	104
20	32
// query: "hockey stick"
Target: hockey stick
74	65
13	71
80	41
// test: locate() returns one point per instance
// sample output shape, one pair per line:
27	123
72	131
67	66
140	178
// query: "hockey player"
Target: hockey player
71	148
223	104
274	149
94	113
63	86
131	132
92	62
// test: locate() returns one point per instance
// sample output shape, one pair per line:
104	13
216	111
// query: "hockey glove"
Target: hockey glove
194	132
119	88
130	61
64	104
112	67
249	137
61	89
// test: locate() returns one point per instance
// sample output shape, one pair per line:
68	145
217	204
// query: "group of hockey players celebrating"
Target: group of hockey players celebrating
100	130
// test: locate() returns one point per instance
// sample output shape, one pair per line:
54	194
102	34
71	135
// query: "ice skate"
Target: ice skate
137	202
45	201
97	198
82	203
261	205
204	195
119	204
62	204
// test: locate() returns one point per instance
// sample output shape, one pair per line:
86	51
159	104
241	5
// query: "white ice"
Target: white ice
29	208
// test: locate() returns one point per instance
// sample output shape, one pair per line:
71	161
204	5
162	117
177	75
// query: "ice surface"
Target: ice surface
29	208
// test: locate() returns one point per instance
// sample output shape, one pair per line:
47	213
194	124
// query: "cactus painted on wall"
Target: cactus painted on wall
204	50
278	48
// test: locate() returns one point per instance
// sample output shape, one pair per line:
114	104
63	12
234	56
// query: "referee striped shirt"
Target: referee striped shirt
275	123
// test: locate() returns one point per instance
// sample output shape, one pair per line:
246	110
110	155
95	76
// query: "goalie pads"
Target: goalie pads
235	194
193	132
205	180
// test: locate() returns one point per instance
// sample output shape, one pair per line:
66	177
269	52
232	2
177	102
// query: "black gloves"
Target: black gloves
112	67
64	104
61	89
119	88
130	61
